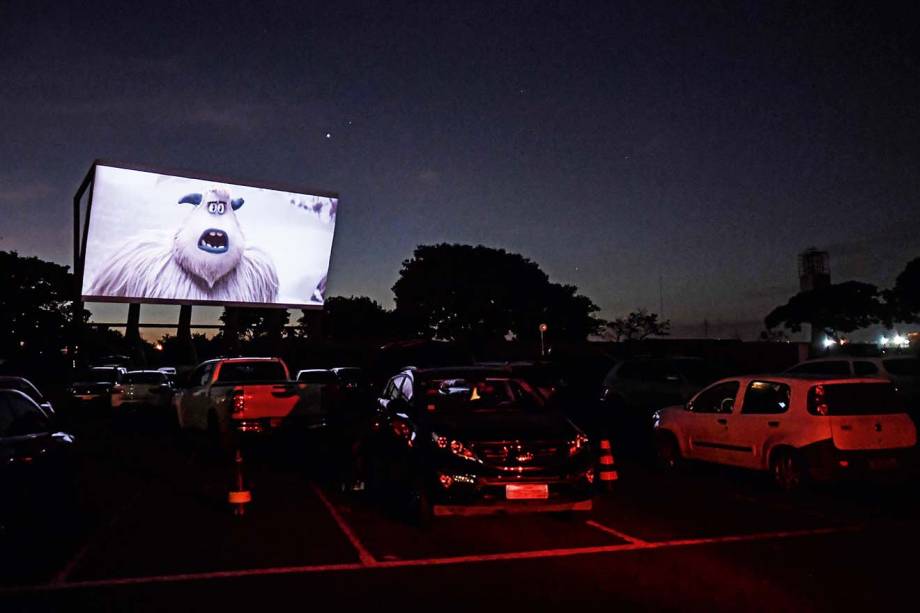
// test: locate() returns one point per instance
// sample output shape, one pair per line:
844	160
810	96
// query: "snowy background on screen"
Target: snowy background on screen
283	224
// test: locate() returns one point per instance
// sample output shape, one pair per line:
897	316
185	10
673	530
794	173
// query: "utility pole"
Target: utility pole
660	297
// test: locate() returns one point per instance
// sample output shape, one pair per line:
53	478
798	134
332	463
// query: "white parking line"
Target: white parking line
471	559
620	535
367	559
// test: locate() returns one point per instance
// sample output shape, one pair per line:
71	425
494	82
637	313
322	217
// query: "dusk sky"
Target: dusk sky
610	142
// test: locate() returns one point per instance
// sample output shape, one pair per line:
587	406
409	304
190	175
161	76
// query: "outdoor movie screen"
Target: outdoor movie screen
168	239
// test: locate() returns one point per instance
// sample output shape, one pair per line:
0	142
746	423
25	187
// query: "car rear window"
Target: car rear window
854	399
251	371
317	376
903	366
98	375
145	377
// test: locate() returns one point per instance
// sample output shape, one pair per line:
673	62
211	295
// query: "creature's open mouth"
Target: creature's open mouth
213	241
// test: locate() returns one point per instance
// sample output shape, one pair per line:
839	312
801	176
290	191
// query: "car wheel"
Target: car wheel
789	470
667	452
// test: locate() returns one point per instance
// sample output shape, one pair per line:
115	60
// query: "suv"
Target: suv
635	388
795	427
903	370
462	441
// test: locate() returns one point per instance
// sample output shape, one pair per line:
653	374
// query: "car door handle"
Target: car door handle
773	424
722	421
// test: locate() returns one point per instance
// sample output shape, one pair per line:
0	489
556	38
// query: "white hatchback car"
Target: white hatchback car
796	427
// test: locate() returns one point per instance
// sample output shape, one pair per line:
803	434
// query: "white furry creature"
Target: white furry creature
205	259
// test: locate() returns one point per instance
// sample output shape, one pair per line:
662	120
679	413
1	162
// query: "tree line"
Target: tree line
845	307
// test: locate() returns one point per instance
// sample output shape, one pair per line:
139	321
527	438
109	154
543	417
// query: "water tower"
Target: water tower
814	269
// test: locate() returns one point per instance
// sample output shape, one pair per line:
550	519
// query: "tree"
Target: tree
254	322
904	297
637	326
355	318
466	293
842	307
36	306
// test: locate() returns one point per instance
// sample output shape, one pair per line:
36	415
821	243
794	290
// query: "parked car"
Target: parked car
37	475
903	370
93	386
798	428
26	387
467	440
637	387
143	388
352	379
247	395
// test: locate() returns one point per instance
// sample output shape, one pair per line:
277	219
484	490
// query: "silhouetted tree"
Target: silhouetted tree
904	297
355	318
35	306
842	307
637	326
254	322
461	292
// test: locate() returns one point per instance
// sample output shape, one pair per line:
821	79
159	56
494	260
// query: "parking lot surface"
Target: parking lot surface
154	531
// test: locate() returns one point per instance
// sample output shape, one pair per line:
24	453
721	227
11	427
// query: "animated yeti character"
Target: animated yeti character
205	259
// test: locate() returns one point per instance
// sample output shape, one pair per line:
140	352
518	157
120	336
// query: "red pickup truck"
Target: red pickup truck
251	395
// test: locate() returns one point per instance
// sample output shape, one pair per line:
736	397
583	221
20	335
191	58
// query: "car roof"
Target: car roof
135	372
13	378
461	371
806	379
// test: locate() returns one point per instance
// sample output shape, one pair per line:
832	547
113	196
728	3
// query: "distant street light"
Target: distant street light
543	329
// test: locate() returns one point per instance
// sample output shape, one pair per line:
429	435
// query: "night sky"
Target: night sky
611	142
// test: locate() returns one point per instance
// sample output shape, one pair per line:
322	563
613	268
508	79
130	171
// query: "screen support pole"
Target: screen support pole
76	333
187	353
133	335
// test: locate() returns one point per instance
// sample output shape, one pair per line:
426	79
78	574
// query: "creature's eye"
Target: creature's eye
221	207
212	207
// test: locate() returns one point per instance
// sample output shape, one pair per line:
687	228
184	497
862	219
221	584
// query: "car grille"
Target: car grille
520	456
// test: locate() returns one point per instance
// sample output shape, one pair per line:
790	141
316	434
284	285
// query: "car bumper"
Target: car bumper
827	463
457	493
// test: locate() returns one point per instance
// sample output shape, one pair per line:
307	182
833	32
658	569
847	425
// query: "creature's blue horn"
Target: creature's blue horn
236	203
190	199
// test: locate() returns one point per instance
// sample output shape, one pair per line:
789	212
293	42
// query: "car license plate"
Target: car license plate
86	396
883	463
527	491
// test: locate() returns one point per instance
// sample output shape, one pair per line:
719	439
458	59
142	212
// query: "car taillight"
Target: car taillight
117	389
237	403
817	401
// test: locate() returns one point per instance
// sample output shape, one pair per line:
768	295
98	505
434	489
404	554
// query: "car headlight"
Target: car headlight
580	443
456	447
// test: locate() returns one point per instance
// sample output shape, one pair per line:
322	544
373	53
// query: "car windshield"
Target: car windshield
154	378
98	375
19	416
475	395
251	371
23	386
697	371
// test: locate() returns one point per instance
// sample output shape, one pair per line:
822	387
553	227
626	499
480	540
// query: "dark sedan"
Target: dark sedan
468	441
36	462
94	386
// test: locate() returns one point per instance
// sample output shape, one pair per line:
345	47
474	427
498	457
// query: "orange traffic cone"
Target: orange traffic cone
606	472
239	496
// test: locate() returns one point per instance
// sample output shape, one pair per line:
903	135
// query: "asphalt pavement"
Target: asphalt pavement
153	531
